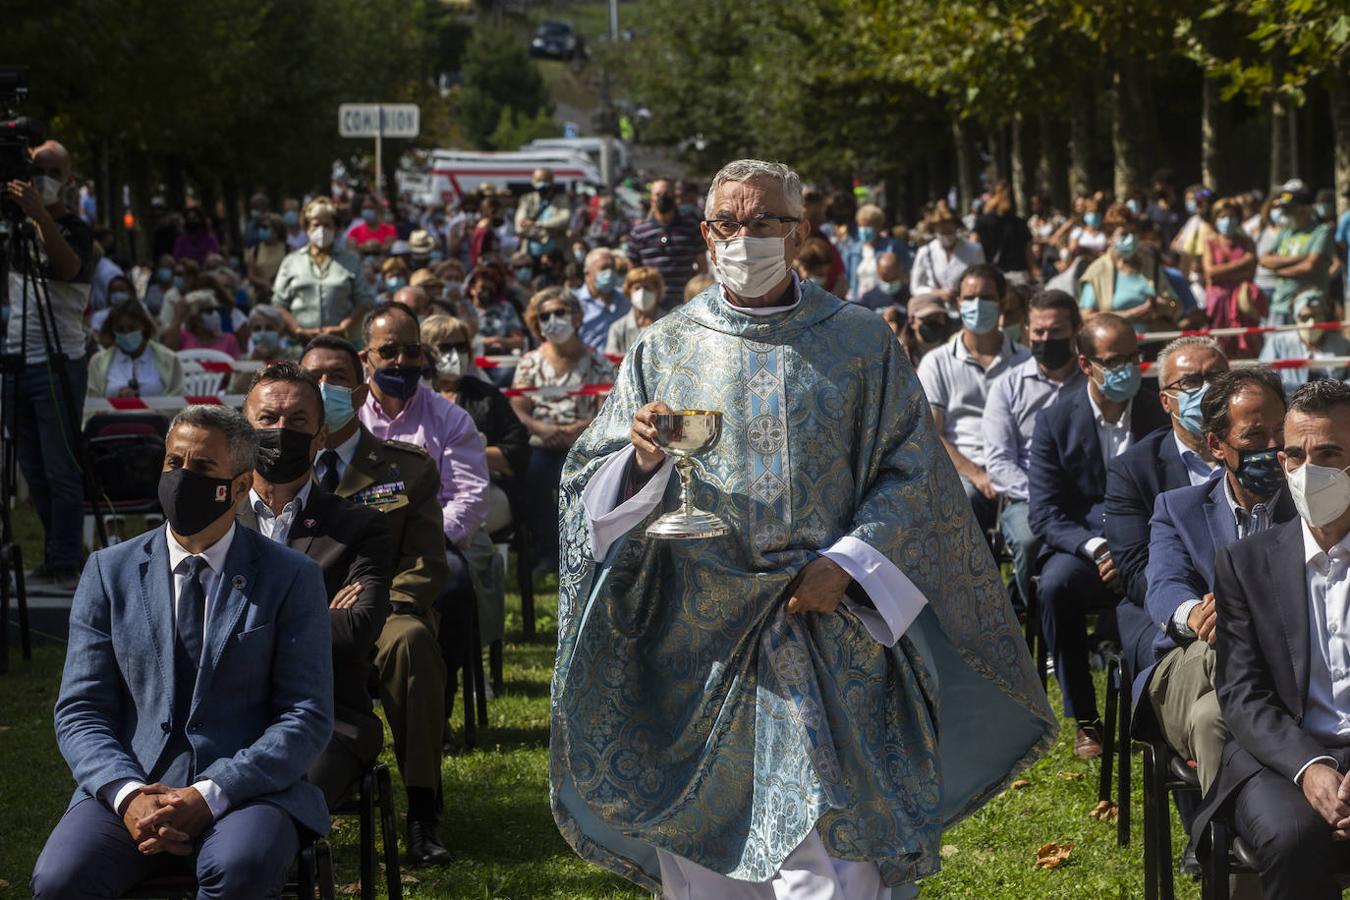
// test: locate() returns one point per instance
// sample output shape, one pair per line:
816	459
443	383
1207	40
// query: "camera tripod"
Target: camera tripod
20	253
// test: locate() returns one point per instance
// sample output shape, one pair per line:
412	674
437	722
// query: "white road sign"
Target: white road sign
368	120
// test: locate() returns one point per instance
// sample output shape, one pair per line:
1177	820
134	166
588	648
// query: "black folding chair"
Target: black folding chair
1117	747
374	790
519	538
1165	774
311	878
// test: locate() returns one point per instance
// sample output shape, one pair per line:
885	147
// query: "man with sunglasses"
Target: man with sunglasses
1169	458
401	407
1075	440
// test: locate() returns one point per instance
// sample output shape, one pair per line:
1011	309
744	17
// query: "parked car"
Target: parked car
557	40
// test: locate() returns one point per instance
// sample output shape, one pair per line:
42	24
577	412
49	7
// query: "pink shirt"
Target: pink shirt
225	343
448	435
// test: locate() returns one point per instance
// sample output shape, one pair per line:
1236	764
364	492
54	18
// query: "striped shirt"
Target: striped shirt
671	249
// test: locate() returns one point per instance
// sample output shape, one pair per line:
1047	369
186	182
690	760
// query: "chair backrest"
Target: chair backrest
203	384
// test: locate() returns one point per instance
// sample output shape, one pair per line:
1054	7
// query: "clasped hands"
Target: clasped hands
819	587
163	819
1328	792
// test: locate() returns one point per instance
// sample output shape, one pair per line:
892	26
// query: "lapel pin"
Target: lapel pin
309	523
239	582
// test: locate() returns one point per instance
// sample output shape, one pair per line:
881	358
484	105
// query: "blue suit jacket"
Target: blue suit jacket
262	708
1066	475
1189	527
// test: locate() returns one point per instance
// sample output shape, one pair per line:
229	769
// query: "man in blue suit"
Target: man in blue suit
1244	413
1165	460
198	688
1075	438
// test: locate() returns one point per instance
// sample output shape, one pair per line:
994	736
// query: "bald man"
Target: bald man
602	300
416	299
1076	438
45	431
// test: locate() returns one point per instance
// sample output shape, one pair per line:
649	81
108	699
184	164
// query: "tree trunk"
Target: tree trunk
234	206
965	174
1126	168
1338	89
1020	169
1213	132
1080	143
1051	164
1279	148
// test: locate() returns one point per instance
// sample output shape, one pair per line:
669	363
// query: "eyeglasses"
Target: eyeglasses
452	348
1114	362
759	226
1192	381
393	351
554	314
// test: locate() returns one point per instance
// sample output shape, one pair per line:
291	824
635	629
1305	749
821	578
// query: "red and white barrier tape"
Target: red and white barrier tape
1155	336
192	366
172	404
1329	362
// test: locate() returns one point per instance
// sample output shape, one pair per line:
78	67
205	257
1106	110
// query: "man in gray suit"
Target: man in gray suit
198	688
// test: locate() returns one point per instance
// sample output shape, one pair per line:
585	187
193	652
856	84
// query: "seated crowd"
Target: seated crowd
423	373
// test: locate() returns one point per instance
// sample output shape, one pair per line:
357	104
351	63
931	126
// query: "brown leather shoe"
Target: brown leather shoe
1087	744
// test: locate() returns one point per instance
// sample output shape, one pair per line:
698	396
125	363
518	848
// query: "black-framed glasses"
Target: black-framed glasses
392	351
555	314
1192	381
766	225
448	347
1115	362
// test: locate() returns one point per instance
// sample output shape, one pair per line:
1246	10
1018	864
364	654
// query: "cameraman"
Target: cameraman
45	432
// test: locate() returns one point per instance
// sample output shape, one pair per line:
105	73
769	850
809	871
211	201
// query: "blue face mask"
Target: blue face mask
1191	205
179	281
979	316
1120	384
606	280
369	216
1092	219
1277	217
891	287
1188	410
129	341
866	234
393	284
264	234
1226	225
291	218
266	339
436	256
1259	471
524	274
337	405
164	275
1133	206
1126	245
116	297
398	381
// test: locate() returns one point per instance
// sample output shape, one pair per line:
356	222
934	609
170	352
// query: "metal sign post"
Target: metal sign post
378	121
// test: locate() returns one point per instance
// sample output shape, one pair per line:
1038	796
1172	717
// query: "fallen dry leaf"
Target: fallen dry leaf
1052	856
349	890
1070	776
407	878
1105	811
338	824
4	885
1015	786
949	850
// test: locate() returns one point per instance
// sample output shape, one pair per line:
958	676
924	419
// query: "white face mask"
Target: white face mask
450	365
50	188
321	236
644	300
750	267
558	330
1321	494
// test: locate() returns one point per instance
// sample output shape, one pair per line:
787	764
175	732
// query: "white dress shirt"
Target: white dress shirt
122	369
1115	438
276	527
117	792
1197	470
1327	715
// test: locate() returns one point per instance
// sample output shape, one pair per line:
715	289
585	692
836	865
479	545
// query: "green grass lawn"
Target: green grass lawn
498	826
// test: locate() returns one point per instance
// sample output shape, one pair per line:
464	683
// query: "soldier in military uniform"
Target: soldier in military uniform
401	481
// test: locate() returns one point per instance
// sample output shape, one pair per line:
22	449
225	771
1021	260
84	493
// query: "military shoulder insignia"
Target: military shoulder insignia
380	493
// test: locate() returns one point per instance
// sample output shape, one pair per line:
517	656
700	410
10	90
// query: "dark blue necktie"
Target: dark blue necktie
192	611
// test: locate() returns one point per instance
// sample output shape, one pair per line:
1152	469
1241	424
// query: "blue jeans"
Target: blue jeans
47	442
1022	541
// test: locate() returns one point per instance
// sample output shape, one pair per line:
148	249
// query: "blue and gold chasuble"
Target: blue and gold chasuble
690	711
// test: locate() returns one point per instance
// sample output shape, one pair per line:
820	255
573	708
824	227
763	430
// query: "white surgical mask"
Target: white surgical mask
1321	494
50	188
644	299
451	364
321	236
750	266
557	329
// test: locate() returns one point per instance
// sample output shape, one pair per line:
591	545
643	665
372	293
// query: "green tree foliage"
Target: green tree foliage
499	77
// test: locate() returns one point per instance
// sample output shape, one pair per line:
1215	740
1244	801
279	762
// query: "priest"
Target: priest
798	708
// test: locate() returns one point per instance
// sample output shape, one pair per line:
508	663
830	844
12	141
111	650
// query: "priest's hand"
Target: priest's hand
643	435
818	588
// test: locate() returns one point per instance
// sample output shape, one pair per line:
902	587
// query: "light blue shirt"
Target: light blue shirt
597	316
1010	419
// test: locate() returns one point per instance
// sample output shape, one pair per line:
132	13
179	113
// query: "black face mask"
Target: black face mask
665	203
1054	354
192	501
932	334
283	454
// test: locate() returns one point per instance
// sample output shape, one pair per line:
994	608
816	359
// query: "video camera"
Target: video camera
18	136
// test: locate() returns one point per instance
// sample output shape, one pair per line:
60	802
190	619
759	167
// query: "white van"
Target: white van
454	173
610	155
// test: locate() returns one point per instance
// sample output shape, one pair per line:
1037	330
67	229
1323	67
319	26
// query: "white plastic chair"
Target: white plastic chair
204	384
